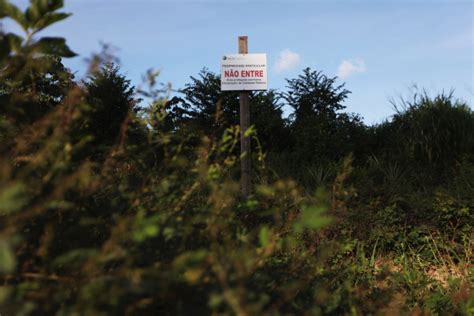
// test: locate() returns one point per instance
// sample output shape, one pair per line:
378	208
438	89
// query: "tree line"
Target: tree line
124	201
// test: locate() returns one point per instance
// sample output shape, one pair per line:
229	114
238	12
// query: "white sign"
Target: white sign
244	72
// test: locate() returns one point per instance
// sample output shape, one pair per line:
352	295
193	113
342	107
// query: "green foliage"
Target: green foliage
40	14
320	133
111	101
7	258
435	132
13	198
110	226
316	102
204	108
32	75
9	10
198	108
107	208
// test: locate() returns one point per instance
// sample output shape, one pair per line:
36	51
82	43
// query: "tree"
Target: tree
320	131
266	115
111	99
313	93
31	69
206	110
46	85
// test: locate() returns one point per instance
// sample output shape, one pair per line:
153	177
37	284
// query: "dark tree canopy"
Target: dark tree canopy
110	97
42	84
111	209
314	94
204	108
320	131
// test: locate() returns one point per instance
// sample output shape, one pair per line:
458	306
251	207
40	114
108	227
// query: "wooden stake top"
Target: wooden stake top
243	45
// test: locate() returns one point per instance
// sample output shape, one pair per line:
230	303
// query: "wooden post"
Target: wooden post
245	181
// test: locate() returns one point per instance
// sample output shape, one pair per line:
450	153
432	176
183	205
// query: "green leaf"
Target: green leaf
55	4
45	6
42	5
250	131
32	14
7	259
12	198
74	258
14	41
9	10
53	46
264	236
5	292
60	205
311	217
49	19
215	300
151	230
190	259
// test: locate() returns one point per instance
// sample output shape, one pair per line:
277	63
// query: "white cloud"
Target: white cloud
287	60
349	67
460	40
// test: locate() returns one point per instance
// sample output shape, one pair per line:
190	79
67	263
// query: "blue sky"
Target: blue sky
379	48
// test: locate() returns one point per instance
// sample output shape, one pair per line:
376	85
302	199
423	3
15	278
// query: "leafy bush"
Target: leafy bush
160	227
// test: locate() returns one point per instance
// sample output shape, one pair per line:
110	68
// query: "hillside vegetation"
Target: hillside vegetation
118	200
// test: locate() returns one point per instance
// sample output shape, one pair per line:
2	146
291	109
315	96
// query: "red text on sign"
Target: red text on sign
243	73
251	73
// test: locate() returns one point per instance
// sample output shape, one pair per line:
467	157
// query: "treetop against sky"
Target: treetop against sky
379	48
